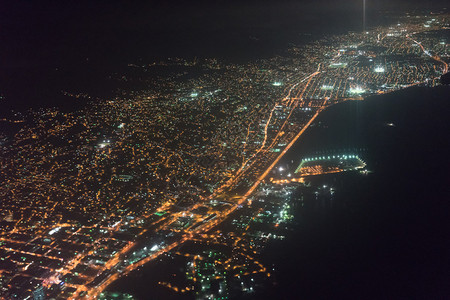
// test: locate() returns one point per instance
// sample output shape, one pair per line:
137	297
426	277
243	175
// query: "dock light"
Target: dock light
357	90
379	69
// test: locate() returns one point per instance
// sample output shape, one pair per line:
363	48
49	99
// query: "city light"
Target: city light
357	90
379	69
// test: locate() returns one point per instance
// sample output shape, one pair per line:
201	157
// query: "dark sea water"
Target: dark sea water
383	235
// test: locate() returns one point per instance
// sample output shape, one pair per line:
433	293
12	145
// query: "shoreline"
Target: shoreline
403	93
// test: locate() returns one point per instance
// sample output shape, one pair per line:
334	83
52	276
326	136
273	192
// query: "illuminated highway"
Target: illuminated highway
427	52
221	216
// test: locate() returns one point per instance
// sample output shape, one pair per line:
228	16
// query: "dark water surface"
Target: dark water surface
384	235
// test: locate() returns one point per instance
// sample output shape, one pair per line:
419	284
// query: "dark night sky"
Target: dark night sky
169	14
33	26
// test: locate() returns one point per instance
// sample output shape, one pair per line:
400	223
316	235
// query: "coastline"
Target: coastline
374	163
